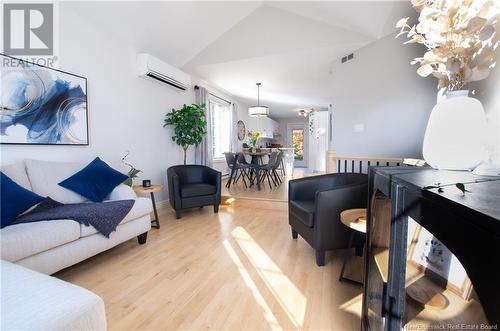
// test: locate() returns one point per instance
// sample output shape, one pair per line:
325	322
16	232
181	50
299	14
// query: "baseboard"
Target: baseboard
161	204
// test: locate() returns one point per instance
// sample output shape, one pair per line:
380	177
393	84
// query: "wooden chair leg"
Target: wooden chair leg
295	235
283	168
142	238
236	176
320	258
243	177
228	184
272	178
277	176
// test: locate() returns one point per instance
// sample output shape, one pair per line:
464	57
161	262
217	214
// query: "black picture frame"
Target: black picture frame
85	89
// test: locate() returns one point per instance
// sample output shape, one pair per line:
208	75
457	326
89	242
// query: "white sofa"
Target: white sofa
33	301
53	245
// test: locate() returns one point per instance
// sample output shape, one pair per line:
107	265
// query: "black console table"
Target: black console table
467	224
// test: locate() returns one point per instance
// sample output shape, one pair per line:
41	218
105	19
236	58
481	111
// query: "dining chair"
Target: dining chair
279	165
238	170
244	168
268	170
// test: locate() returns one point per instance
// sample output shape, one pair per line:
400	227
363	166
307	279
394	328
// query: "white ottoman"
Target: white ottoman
34	301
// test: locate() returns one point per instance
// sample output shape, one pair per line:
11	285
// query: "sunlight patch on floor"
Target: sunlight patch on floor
286	293
353	306
268	314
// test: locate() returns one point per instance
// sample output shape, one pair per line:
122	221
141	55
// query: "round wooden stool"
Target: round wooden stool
355	219
139	189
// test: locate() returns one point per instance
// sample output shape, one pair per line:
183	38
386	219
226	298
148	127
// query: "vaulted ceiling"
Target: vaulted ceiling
288	46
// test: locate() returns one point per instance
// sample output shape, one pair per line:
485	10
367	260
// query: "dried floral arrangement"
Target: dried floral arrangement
459	37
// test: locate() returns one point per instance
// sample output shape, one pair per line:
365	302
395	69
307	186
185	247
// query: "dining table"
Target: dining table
256	162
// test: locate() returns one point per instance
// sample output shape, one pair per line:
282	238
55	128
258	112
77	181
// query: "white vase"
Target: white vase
455	134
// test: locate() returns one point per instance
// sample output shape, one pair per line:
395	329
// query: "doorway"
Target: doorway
297	138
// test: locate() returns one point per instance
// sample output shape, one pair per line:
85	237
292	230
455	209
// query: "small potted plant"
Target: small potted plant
133	171
190	125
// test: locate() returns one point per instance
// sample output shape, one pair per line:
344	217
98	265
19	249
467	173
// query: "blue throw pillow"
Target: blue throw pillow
95	181
15	199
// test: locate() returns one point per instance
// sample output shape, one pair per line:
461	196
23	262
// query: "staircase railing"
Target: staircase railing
357	164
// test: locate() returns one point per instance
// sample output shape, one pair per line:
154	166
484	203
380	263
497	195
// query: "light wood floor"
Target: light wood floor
235	270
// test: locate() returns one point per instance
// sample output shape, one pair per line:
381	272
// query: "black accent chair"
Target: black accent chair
315	204
191	186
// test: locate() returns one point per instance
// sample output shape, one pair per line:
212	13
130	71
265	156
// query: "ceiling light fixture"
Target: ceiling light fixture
258	111
304	112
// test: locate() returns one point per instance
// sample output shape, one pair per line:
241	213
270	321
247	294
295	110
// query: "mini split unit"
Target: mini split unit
150	67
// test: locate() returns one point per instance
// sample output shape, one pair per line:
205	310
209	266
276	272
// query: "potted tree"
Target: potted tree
189	125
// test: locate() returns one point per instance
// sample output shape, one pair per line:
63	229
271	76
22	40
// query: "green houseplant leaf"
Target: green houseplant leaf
190	125
132	173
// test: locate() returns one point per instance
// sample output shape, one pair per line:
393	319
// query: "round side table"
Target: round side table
139	189
355	219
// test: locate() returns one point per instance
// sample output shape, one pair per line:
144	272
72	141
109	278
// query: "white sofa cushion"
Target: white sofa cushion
45	177
68	254
17	172
122	192
33	301
142	207
22	240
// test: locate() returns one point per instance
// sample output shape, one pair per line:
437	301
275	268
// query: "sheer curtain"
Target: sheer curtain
203	152
234	127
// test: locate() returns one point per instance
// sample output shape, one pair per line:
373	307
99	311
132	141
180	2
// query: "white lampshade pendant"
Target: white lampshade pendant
258	111
455	134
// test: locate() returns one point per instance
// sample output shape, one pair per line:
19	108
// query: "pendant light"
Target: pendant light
258	111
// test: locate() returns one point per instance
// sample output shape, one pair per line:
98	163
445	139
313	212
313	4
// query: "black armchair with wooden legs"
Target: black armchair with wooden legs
191	186
315	204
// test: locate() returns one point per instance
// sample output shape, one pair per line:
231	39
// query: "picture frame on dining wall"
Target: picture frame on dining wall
41	105
241	130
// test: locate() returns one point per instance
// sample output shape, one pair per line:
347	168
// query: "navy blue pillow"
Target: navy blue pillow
95	181
15	199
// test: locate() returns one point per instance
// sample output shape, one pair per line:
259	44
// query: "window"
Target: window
221	128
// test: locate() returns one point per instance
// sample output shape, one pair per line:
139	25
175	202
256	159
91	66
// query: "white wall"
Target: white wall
381	91
488	92
125	112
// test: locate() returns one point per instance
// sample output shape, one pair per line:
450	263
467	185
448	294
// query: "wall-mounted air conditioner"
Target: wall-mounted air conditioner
150	67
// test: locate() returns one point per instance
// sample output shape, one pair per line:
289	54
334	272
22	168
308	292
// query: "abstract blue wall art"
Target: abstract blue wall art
41	105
